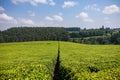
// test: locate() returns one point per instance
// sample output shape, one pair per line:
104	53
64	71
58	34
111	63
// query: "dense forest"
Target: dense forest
73	34
21	34
96	36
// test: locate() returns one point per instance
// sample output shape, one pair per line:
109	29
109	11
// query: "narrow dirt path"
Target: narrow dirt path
60	72
57	65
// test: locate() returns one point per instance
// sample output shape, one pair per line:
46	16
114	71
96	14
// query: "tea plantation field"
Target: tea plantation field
36	61
27	60
91	62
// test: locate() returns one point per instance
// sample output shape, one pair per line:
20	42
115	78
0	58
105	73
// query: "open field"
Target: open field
27	60
91	62
36	60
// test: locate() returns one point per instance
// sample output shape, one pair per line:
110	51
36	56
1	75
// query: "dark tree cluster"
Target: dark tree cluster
73	29
87	33
87	36
20	34
96	36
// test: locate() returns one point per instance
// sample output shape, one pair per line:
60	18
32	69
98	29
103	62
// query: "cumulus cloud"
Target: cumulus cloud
84	16
1	9
111	9
57	18
35	2
49	18
23	21
51	2
92	7
4	18
9	20
68	4
88	20
54	18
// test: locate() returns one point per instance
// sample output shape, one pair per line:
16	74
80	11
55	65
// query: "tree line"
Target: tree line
20	34
74	34
96	36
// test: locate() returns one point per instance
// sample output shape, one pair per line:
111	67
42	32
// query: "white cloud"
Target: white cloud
68	4
35	2
88	20
111	9
84	16
1	9
40	1
19	1
4	18
9	20
92	7
54	18
23	21
57	18
51	2
49	18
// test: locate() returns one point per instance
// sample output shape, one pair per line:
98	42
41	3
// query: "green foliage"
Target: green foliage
96	36
36	61
21	34
27	60
87	36
115	38
73	29
91	62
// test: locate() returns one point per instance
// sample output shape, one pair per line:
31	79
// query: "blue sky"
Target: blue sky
60	13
